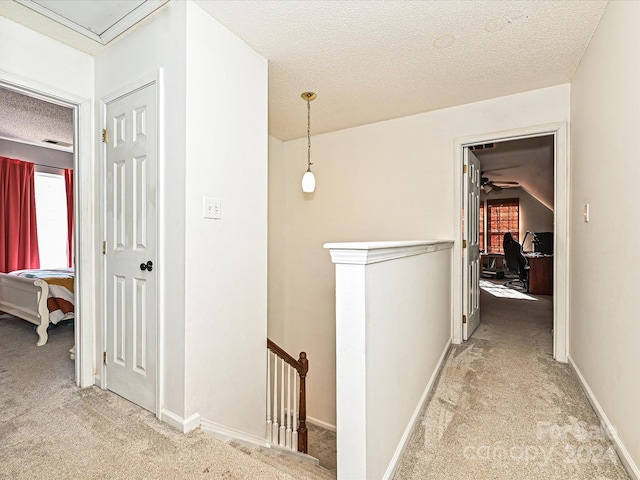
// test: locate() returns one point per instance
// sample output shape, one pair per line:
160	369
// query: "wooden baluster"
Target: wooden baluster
269	435
302	430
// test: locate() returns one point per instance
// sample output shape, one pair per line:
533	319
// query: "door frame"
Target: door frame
157	79
561	227
84	234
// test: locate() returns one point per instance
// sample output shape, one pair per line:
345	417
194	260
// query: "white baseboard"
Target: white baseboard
320	423
627	462
182	424
227	434
406	436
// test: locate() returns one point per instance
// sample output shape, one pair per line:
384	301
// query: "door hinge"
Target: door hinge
464	320
104	356
464	169
105	135
104	247
464	244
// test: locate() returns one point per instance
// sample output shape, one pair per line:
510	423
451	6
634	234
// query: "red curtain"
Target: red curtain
68	182
18	231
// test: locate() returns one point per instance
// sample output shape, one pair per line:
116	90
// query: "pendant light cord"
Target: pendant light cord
309	135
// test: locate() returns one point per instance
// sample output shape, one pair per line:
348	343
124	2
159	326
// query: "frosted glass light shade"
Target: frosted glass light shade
308	182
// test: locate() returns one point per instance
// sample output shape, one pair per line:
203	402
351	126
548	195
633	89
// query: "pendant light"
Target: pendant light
308	179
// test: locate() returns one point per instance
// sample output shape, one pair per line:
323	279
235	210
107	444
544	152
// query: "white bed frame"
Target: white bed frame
26	298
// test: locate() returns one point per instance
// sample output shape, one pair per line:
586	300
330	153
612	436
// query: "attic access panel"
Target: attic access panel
100	20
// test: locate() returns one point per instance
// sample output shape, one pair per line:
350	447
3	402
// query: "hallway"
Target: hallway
504	409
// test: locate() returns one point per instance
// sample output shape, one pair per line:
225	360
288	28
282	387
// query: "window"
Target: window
502	216
51	218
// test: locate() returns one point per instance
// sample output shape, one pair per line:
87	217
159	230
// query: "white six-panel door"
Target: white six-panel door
130	269
471	235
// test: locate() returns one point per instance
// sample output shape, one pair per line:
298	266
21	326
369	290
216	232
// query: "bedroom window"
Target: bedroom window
51	218
502	216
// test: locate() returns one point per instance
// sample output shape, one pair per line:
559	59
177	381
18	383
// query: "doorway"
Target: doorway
516	200
558	133
42	129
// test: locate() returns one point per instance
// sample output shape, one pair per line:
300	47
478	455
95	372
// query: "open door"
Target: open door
471	245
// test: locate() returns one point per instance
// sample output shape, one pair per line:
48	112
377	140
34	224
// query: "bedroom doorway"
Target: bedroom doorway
42	128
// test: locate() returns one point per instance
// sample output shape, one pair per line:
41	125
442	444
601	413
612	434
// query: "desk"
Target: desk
492	265
540	274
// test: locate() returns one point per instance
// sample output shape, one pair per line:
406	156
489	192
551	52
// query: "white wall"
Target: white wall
226	259
604	333
277	242
160	42
392	180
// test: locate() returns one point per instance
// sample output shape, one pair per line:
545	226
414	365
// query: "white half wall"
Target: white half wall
393	329
604	326
391	180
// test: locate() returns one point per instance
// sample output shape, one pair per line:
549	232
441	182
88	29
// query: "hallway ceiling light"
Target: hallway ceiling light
308	179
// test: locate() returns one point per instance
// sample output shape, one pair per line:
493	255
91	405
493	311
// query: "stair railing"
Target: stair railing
286	414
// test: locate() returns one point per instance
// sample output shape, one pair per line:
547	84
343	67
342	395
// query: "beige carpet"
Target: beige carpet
501	409
49	429
504	409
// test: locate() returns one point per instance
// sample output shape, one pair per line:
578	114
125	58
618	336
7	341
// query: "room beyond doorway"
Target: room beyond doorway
517	198
557	134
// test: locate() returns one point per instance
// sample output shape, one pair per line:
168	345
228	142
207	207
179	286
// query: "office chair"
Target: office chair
516	263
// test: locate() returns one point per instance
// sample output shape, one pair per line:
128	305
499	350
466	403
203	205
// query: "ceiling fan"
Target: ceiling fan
489	185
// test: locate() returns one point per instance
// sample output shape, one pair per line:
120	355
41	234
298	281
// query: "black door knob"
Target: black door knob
147	266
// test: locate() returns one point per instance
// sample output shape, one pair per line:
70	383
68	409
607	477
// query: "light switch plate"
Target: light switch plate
212	208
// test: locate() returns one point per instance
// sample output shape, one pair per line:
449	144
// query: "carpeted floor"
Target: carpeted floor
49	429
501	409
504	409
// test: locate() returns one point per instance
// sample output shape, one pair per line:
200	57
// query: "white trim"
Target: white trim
83	160
126	22
561	227
227	434
415	418
365	253
321	424
176	421
612	434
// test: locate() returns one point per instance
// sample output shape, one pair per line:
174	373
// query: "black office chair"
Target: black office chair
516	263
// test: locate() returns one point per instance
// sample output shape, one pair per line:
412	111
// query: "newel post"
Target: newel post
302	429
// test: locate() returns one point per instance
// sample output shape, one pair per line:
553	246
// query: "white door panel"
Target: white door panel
471	236
131	296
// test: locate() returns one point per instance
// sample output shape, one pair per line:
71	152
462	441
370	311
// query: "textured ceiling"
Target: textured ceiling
376	60
30	120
